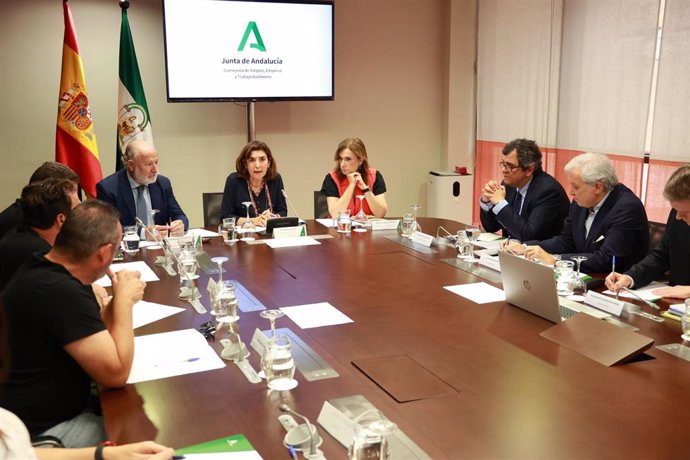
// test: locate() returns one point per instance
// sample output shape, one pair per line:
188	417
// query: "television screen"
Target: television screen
248	50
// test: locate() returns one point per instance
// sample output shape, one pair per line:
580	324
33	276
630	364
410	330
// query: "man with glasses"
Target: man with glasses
60	337
528	204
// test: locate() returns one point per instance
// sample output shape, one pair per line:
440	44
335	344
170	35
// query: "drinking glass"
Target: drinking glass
228	230
272	315
154	234
278	364
344	222
685	321
188	265
361	217
130	239
370	441
463	246
565	275
408	225
226	303
248	229
220	260
473	231
578	285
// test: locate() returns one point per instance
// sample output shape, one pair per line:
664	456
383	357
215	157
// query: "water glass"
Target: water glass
278	364
225	304
564	271
130	239
685	321
463	246
409	225
228	230
344	222
370	441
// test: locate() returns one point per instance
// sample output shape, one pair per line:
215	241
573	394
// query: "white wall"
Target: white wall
392	65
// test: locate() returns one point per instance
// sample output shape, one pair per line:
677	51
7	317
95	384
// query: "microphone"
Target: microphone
439	240
313	451
291	206
637	296
194	301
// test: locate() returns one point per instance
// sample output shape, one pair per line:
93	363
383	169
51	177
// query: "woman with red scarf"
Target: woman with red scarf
351	177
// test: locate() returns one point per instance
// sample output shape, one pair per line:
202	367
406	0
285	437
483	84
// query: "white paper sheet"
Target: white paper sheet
486	237
147	274
202	232
326	222
144	312
158	356
645	292
291	242
315	315
478	292
251	455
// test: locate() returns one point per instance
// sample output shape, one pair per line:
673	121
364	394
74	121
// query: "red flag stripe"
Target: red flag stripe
80	159
70	36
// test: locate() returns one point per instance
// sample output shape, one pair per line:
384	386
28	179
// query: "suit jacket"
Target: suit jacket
671	254
543	211
620	228
116	190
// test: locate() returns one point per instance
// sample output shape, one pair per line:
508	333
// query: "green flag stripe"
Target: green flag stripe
129	68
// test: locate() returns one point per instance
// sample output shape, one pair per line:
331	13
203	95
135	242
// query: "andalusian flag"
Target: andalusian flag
75	141
133	120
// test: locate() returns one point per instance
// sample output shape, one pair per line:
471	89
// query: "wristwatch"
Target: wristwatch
365	190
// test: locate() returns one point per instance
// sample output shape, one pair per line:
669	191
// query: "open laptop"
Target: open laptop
532	287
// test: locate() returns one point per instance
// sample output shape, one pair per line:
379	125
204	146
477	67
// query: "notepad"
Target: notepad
235	447
147	274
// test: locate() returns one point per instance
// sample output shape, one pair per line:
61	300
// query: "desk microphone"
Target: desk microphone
313	451
291	206
194	301
637	296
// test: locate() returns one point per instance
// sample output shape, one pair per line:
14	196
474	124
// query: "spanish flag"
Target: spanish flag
75	141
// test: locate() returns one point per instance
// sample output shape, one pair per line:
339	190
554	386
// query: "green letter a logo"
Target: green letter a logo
252	28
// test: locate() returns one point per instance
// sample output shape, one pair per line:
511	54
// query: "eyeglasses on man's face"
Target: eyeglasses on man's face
508	166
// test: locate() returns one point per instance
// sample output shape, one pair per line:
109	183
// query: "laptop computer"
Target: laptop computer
532	287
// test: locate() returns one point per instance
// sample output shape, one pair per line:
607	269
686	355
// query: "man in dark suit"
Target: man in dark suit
12	215
529	204
138	188
672	254
606	219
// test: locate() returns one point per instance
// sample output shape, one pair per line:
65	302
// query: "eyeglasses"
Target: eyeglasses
508	166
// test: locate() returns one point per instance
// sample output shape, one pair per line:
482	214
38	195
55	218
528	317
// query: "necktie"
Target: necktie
588	221
141	206
517	206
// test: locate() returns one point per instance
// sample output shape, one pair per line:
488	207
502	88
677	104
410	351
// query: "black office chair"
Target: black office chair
211	203
656	233
320	205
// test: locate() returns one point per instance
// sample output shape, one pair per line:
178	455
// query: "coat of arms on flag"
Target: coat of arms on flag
74	108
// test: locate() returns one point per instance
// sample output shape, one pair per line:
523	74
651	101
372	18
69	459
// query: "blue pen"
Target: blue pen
613	264
182	361
293	453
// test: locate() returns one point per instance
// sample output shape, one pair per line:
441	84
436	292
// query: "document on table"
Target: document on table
144	312
291	242
147	274
326	222
167	354
478	292
235	447
315	315
202	232
645	292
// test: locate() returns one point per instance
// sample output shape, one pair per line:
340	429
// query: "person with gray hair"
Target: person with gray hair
606	220
672	254
137	189
61	337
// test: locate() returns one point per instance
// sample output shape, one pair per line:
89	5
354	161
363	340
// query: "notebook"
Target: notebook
532	287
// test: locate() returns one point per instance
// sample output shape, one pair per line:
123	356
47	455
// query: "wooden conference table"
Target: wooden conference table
518	394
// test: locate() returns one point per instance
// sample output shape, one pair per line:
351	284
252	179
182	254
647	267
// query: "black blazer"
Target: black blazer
620	228
116	190
543	212
671	254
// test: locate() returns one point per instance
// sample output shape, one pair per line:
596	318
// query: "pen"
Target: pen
293	453
182	361
178	457
613	264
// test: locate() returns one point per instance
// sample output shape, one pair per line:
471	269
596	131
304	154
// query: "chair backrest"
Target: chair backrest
211	203
320	205
656	233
